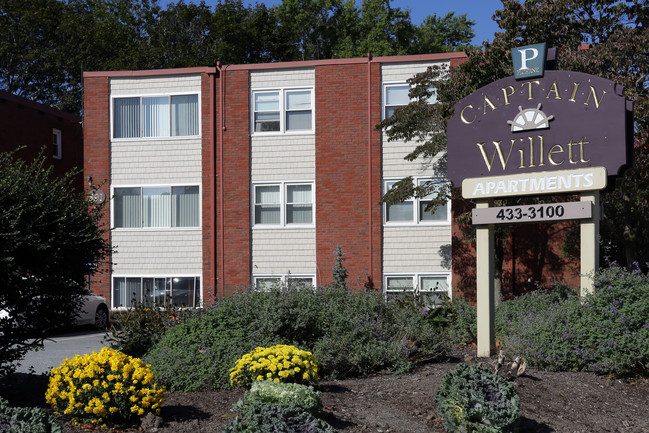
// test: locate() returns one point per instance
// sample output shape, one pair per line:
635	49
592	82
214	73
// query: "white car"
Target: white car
94	312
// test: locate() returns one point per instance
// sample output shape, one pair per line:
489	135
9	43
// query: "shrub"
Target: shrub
617	315
280	363
26	420
198	354
546	328
134	331
258	417
348	333
289	395
472	399
606	332
107	388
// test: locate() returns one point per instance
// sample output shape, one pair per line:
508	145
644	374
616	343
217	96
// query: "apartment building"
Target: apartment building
222	178
30	128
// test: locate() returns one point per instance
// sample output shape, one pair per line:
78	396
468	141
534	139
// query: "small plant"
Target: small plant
108	388
289	395
280	363
260	417
472	399
339	272
26	420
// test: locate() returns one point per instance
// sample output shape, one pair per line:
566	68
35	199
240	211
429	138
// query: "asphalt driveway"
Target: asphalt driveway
59	347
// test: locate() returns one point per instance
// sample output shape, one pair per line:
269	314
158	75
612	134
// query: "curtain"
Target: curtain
126	211
155	114
267	205
184	115
156	206
185	206
125	291
299	207
126	113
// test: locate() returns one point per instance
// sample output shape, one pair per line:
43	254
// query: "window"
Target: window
431	289
396	95
283	281
178	291
413	211
57	150
283	204
286	110
155	116
156	207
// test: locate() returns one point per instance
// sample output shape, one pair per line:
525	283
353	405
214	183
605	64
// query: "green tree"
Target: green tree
618	31
443	34
49	242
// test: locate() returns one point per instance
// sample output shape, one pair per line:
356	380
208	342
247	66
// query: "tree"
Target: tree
619	33
50	242
443	35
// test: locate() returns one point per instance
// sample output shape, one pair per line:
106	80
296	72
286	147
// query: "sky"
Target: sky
479	11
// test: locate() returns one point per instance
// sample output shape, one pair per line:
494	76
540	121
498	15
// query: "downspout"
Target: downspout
369	164
222	128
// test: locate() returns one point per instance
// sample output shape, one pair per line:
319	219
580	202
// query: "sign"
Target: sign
544	182
533	213
562	121
529	61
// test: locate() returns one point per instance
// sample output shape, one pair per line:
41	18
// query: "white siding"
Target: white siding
416	249
167	161
284	157
160	161
411	249
282	78
394	151
283	251
157	252
155	85
400	72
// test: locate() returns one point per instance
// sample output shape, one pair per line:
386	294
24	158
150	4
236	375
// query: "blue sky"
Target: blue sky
479	11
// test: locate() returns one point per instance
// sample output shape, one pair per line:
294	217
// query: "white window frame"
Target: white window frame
416	278
283	279
170	226
283	110
57	143
390	85
154	95
416	203
115	306
283	204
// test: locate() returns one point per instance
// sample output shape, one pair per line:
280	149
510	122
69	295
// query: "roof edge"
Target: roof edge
280	65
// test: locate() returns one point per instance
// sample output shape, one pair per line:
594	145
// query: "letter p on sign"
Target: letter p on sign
529	61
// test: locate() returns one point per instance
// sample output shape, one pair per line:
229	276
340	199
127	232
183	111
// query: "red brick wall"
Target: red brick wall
29	124
96	138
346	215
208	113
235	178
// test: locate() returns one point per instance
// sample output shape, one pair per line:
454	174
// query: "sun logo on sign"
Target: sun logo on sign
530	118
